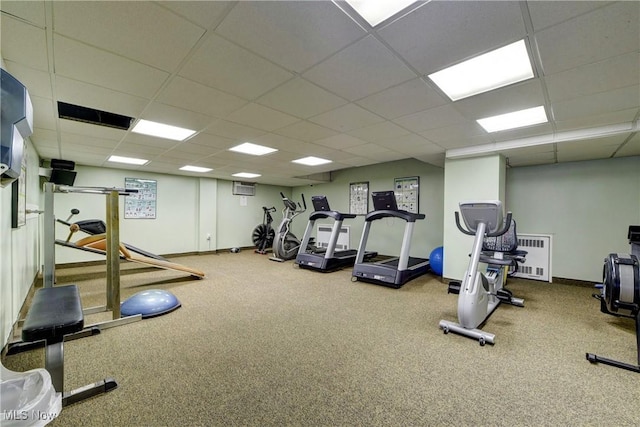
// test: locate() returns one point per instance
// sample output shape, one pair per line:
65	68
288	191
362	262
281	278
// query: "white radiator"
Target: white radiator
538	264
323	234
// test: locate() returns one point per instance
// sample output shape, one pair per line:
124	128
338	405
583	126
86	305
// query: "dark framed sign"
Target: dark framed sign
359	198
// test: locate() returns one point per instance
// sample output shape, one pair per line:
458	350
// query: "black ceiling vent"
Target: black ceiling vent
95	117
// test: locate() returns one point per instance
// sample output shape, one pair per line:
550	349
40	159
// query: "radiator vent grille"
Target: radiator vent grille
538	261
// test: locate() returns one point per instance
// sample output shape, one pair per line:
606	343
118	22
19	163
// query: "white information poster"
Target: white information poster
141	205
407	192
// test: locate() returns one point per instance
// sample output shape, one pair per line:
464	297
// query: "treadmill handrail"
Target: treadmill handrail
407	216
338	216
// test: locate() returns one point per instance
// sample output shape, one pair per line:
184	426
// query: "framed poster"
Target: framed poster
141	205
19	196
408	193
359	198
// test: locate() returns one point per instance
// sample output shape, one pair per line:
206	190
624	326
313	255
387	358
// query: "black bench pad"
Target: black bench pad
54	313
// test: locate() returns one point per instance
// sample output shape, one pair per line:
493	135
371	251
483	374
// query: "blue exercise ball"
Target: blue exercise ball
436	259
150	303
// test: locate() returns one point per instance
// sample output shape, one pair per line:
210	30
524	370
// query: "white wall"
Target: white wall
19	249
236	220
467	179
386	235
586	206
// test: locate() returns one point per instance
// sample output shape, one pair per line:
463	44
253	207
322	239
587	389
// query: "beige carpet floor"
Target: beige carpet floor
261	343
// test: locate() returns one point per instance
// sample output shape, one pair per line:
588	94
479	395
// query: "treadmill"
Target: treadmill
330	259
397	271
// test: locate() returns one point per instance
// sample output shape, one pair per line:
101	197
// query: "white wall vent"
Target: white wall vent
323	234
538	264
244	188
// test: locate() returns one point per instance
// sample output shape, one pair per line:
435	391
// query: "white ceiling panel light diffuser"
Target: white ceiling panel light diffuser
376	11
246	175
200	169
312	161
128	160
161	130
253	149
516	119
498	68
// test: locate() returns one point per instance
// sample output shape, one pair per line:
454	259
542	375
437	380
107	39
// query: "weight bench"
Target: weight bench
54	313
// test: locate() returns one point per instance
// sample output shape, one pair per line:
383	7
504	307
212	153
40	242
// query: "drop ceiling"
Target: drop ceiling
312	78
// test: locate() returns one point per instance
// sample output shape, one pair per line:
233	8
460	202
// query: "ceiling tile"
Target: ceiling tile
211	142
306	131
360	70
433	118
261	117
443	33
631	147
295	35
406	98
174	116
23	43
92	96
604	33
30	11
346	118
88	130
233	131
193	96
524	132
205	14
586	122
141	31
547	13
225	66
301	98
79	61
599	103
340	142
37	82
43	114
379	132
589	149
593	78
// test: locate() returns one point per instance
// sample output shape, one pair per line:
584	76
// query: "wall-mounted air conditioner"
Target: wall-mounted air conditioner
244	188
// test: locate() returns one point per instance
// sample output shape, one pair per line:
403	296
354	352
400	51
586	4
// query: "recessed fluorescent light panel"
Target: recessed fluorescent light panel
246	175
376	11
312	161
200	169
128	160
517	119
495	69
161	130
253	149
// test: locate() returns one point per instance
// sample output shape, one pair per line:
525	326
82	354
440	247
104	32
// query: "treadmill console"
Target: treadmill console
384	201
320	203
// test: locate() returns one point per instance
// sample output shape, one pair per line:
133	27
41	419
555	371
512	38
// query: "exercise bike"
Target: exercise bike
263	234
620	294
480	293
286	244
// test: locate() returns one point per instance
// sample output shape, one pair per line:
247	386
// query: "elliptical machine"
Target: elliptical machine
263	234
481	293
620	295
286	244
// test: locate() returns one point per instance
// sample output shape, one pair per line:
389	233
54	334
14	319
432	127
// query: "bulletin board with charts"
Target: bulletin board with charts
141	205
407	192
359	198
